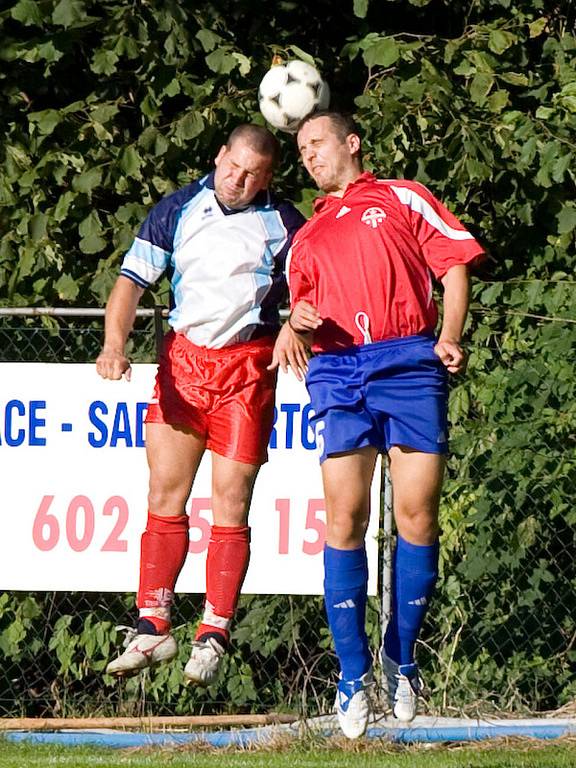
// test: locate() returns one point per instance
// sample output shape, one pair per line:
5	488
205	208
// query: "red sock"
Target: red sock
226	566
164	546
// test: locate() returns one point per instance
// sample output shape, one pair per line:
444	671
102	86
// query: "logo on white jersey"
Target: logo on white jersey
373	217
343	211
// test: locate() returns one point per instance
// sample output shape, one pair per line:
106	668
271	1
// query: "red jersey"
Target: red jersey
366	261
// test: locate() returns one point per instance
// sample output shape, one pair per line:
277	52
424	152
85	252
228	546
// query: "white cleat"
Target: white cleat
404	685
142	651
204	662
353	705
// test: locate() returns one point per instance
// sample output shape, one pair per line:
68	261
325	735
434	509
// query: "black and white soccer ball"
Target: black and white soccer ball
291	91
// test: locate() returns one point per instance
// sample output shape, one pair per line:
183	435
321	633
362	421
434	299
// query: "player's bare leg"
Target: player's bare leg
226	564
416	484
347	480
173	455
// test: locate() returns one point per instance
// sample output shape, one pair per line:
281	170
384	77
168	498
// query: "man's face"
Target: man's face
331	161
240	174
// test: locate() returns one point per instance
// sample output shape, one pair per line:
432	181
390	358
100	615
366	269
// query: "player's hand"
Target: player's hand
112	364
304	318
291	349
452	355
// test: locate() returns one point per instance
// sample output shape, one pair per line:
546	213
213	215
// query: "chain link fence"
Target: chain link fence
499	637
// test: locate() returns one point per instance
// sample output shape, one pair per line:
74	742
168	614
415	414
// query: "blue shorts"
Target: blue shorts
392	392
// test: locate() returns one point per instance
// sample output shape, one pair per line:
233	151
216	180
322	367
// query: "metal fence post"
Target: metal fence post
158	329
387	515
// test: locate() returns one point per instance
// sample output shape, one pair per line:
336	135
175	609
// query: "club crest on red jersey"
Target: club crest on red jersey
373	216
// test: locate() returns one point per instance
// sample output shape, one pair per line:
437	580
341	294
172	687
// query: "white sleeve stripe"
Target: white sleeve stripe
287	266
155	249
423	207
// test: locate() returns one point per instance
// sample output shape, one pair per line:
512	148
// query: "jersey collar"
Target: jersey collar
364	178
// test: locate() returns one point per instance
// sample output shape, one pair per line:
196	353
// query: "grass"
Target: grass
334	753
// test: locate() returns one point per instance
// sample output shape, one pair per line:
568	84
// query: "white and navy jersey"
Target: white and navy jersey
226	266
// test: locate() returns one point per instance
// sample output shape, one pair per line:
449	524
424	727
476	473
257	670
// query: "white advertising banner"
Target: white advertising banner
74	483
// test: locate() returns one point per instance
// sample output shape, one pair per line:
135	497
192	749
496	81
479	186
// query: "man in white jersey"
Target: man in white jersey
360	275
222	240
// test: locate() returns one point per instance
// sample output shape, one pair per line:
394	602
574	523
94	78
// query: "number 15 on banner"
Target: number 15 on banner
315	524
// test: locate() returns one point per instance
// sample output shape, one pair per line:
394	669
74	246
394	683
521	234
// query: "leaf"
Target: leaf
68	12
103	113
561	166
87	181
63	206
44	52
131	162
244	63
498	100
537	27
67	289
567	218
38	226
104	62
173	87
465	68
567	96
361	8
299	53
383	54
92	244
189	126
18	155
149	106
208	39
91	225
490	294
221	61
27	12
102	134
46	120
130	212
514	78
499	40
480	87
26	261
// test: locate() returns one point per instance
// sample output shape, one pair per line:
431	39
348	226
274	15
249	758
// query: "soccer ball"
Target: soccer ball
288	92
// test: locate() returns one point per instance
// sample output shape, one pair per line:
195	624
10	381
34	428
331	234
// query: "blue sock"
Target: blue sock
345	591
413	581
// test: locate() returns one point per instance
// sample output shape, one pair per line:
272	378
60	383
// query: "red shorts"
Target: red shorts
224	395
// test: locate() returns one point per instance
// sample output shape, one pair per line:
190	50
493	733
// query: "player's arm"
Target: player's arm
304	318
112	362
294	341
456	283
291	350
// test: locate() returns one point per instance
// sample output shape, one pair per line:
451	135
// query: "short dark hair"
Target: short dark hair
343	124
258	138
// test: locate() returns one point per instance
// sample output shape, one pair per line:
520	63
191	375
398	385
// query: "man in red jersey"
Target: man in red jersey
360	275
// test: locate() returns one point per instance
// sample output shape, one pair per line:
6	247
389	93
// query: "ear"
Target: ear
220	155
353	142
268	178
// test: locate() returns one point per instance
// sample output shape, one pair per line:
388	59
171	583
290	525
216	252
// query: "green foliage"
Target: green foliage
60	644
